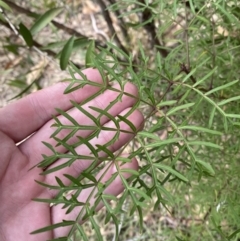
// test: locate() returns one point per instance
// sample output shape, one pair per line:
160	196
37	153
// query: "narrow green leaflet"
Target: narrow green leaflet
205	77
140	193
66	53
25	89
201	129
57	225
204	143
172	171
59	181
224	102
82	233
67	116
233	116
96	228
167	194
123	159
234	234
223	10
222	87
181	107
207	167
78	42
211	117
163	142
148	135
104	149
26	34
89	176
105	113
131	171
61	239
203	19
89	54
167	103
88	144
119	50
189	75
44	20
129	123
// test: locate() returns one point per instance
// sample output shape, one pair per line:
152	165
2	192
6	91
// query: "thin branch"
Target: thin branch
36	45
217	197
108	19
187	38
186	70
122	24
213	54
66	29
150	27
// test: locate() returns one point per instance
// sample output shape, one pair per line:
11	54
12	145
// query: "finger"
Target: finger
33	147
25	116
126	134
115	188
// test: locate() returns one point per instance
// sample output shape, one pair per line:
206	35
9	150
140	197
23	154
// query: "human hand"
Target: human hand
32	115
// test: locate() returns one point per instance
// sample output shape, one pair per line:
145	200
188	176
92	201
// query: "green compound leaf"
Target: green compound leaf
66	53
44	20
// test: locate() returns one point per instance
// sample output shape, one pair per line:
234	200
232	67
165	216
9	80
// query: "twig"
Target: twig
15	30
66	29
186	35
213	54
37	46
186	70
150	27
217	197
122	24
108	19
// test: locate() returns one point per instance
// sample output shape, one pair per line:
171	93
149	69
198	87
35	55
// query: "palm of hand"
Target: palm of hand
19	215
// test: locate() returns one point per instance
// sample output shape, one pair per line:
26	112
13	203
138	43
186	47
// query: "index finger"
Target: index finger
25	116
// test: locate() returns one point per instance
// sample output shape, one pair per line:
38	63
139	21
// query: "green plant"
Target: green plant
186	70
